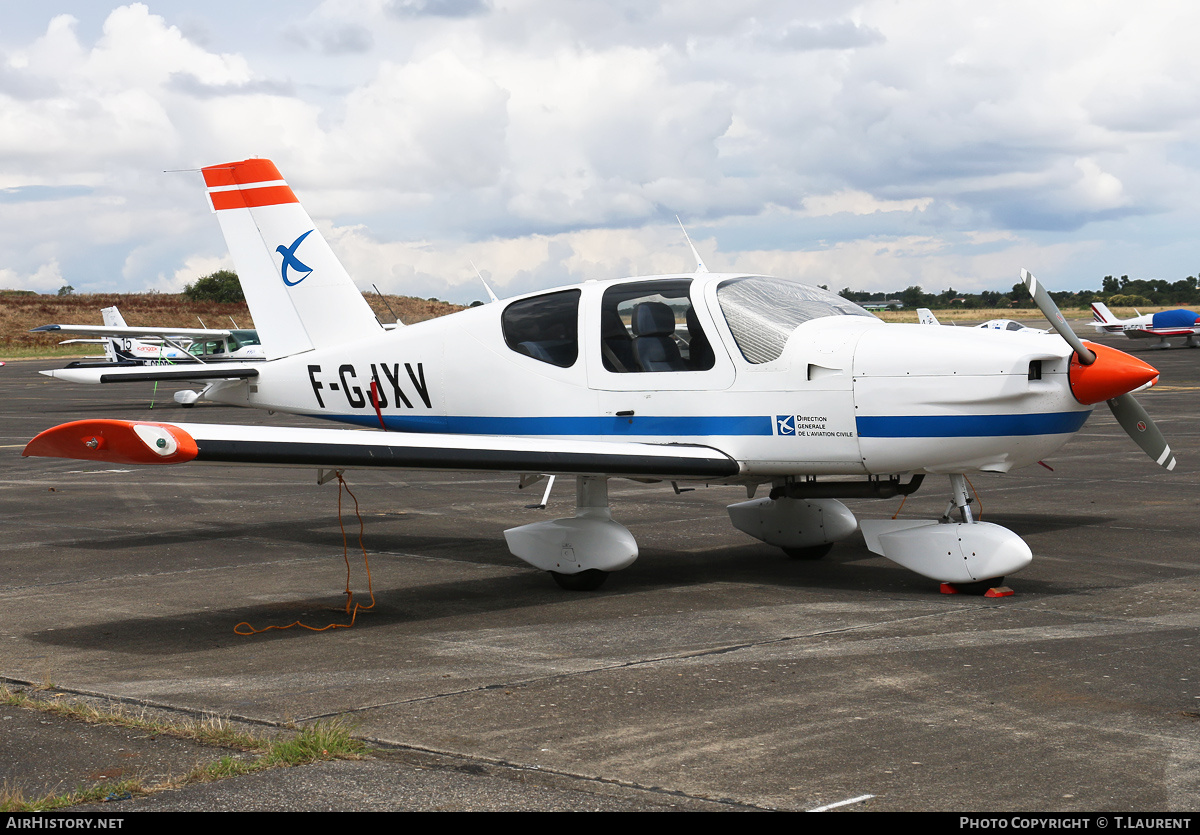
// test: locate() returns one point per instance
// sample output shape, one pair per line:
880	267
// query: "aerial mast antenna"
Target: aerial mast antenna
700	268
491	293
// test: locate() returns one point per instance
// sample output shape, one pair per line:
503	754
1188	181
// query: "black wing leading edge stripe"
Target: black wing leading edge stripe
181	374
367	455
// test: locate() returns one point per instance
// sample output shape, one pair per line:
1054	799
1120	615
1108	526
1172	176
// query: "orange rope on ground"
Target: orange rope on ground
352	608
903	499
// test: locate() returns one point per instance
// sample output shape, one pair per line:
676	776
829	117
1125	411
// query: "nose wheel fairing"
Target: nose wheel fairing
950	552
958	552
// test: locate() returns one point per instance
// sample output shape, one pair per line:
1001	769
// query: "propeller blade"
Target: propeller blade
1050	310
1138	425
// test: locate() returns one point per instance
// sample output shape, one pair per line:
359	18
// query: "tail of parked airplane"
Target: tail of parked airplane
925	316
112	319
1102	315
299	294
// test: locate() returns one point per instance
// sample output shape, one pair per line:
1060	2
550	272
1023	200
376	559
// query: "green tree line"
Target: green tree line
221	286
1118	292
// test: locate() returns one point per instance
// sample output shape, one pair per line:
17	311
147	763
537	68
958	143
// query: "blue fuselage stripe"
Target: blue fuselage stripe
971	426
915	426
648	425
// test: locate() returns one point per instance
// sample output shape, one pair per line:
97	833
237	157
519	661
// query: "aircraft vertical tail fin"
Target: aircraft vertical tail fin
113	318
1101	314
299	294
925	316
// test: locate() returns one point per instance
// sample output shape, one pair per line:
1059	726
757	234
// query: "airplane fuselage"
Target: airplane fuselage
847	394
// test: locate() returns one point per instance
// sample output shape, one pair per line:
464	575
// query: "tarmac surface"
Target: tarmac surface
712	674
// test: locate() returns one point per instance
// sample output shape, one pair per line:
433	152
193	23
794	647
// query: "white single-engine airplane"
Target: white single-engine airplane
925	317
716	378
127	349
197	349
1158	326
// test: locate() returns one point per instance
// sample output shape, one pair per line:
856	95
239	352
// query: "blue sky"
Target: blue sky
870	145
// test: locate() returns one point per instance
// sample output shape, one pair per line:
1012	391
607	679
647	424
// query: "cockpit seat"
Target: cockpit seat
654	345
616	343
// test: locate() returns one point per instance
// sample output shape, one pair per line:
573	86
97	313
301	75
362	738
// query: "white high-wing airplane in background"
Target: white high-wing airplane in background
703	377
127	349
1158	326
125	346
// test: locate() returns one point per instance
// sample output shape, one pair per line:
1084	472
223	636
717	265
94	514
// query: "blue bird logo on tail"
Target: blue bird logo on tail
290	260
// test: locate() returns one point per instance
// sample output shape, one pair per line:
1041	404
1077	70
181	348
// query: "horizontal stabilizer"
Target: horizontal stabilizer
135	333
156	373
133	442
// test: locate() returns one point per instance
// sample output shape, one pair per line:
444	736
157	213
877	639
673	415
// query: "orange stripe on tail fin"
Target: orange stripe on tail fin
252	197
246	172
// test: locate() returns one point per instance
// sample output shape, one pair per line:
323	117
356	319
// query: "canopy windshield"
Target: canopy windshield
763	312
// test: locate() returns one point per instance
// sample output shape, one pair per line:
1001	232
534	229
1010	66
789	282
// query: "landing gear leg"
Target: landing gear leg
960	499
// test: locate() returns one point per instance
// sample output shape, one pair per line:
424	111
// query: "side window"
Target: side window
205	349
544	327
651	326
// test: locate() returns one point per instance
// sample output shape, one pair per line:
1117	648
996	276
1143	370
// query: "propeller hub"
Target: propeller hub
1110	375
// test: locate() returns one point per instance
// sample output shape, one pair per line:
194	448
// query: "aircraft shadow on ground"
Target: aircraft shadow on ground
313	535
657	570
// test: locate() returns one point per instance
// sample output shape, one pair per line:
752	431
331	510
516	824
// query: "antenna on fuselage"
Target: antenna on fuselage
491	294
700	268
383	298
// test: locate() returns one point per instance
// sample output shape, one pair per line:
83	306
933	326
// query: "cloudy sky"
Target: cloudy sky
870	145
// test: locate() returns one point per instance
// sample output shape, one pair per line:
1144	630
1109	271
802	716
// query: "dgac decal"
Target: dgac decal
807	426
356	397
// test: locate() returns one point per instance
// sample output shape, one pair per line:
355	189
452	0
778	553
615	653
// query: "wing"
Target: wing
135	442
216	370
135	333
1153	331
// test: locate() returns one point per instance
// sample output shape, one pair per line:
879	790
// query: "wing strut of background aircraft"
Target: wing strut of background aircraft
1157	326
714	378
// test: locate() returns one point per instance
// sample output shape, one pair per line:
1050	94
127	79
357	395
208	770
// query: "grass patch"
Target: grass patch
323	740
211	730
33	352
225	767
13	800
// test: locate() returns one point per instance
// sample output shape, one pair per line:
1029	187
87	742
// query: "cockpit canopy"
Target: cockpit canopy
227	345
762	312
651	325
